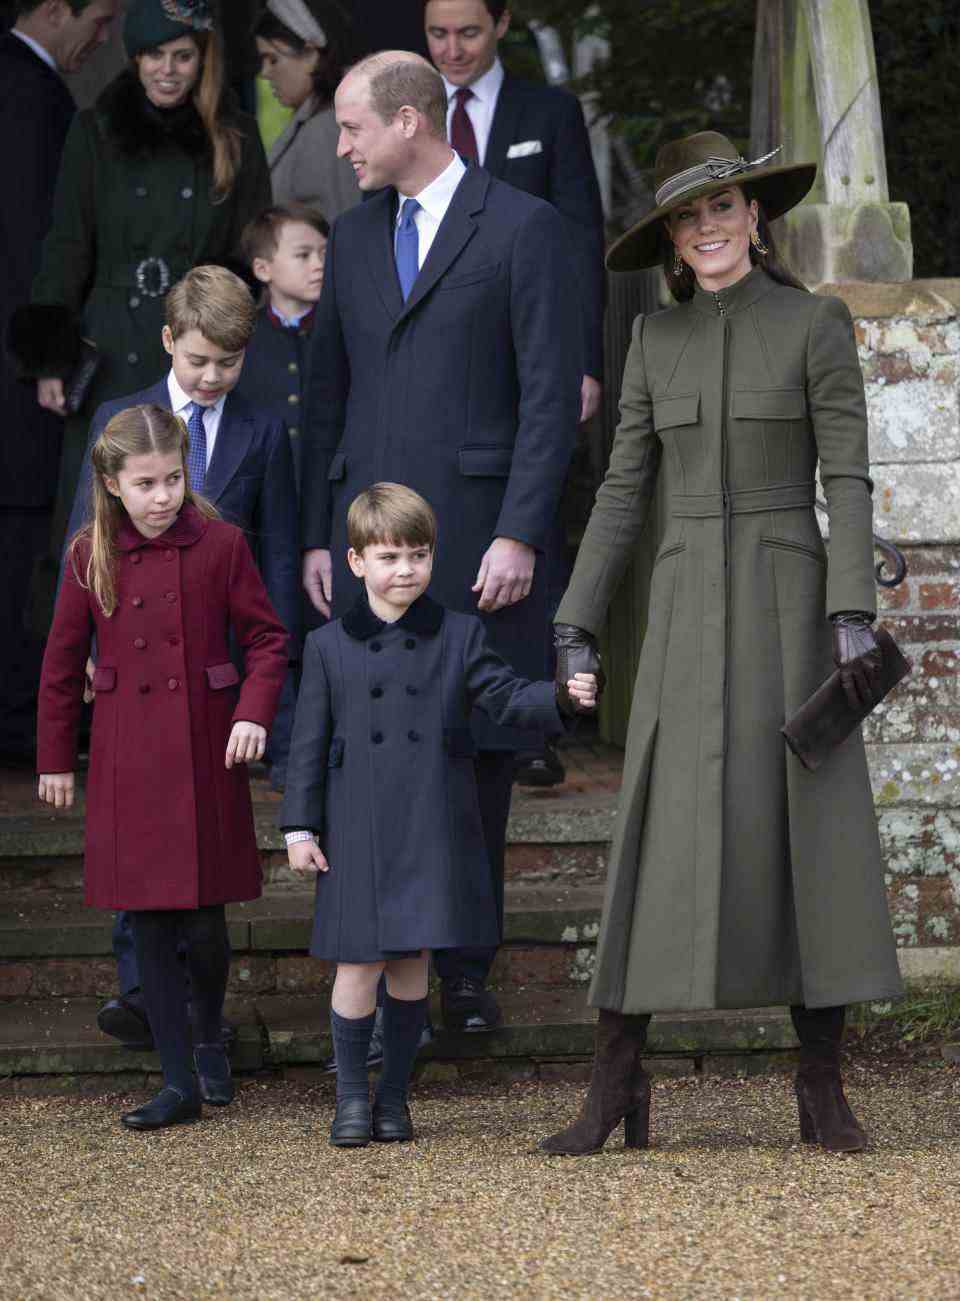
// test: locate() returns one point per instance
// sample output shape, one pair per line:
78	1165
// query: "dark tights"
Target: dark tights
157	936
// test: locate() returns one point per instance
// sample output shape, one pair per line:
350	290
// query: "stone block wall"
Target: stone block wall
909	341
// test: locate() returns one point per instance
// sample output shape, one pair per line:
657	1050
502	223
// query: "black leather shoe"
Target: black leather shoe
392	1124
466	1005
539	768
213	1072
375	1051
351	1123
169	1107
126	1020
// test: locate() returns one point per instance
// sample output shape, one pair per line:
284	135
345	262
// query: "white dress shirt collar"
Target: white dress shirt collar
179	404
435	198
486	88
37	48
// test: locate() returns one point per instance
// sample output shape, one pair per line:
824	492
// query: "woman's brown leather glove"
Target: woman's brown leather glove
576	653
858	657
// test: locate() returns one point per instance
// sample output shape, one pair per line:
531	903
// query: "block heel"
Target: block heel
636	1126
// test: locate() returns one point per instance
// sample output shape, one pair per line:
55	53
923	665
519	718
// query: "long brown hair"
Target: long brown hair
208	96
682	286
136	431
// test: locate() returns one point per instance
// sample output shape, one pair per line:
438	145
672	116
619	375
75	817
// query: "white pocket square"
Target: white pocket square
524	149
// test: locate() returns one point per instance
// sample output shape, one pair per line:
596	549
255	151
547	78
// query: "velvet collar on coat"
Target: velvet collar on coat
187	528
736	297
139	128
423	617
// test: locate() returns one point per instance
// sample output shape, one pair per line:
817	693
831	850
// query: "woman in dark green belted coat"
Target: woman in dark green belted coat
736	878
159	176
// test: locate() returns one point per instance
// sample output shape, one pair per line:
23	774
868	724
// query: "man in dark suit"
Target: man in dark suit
446	356
47	40
535	137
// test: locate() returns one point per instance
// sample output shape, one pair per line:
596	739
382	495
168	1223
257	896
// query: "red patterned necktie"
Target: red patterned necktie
462	135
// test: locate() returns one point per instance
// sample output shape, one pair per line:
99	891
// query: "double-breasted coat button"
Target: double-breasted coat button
170	596
136	601
377	738
413	736
411	691
374	646
134	301
140	643
141	191
135	560
169	555
173	683
133	358
292	430
144	688
174	641
410	643
293	399
376	692
186	192
292	367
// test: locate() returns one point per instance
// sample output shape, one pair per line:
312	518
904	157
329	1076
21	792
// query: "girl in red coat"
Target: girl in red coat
161	582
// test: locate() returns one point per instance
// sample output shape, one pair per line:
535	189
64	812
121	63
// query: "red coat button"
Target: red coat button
135	559
172	683
144	688
174	641
140	643
169	555
170	596
137	601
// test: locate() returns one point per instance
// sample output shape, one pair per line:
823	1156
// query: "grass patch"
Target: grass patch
921	1016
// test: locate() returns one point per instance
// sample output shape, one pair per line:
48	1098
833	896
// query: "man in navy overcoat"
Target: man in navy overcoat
447	355
36	109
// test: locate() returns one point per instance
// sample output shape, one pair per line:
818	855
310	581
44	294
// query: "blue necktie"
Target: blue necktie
197	455
407	247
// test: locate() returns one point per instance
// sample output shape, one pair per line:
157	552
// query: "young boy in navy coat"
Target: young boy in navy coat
285	249
381	796
240	460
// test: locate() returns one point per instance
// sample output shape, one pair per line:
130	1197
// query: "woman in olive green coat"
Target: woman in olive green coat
736	877
158	176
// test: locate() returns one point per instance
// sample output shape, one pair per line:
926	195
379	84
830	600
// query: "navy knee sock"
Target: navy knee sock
403	1022
351	1043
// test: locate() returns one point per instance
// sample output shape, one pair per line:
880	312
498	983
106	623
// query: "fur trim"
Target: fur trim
44	340
139	129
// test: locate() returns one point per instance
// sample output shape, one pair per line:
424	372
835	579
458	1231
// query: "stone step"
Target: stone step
280	1032
51	946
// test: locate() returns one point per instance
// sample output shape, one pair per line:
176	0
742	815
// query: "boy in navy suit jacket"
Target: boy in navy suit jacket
285	249
240	460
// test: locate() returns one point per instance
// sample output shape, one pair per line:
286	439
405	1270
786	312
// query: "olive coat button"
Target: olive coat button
144	688
140	643
136	601
173	683
410	643
377	738
374	646
376	692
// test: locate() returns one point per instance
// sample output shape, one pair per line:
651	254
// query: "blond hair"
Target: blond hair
136	431
397	80
390	513
214	301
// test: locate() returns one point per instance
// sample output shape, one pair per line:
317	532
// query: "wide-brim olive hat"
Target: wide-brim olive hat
149	23
701	164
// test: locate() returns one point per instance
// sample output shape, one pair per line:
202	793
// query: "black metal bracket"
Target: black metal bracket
892	556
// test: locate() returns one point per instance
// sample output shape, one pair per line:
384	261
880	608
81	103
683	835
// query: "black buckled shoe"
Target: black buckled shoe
467	1006
126	1020
351	1123
169	1107
392	1124
213	1072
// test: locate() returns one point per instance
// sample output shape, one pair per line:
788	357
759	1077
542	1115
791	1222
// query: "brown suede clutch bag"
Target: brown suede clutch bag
828	718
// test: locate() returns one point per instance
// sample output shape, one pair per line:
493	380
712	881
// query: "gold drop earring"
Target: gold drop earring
677	263
758	244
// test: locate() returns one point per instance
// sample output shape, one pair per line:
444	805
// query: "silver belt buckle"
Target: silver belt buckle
153	277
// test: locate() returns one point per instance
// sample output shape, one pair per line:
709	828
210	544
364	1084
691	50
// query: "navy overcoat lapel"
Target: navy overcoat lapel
232	444
455	232
503	128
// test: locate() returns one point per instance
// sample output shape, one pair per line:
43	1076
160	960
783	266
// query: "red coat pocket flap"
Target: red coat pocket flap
104	678
222	675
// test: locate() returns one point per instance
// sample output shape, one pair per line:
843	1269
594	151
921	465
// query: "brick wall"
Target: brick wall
909	341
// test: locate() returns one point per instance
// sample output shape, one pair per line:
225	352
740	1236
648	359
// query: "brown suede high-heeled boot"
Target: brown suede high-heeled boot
825	1115
619	1090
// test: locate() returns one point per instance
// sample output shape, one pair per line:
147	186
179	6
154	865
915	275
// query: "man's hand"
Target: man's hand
50	396
318	579
247	743
505	575
591	391
307	856
582	690
56	788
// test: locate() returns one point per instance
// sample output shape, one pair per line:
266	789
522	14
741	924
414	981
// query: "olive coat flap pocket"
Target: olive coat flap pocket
338	467
677	409
769	404
486	462
222	675
104	678
459	743
335	753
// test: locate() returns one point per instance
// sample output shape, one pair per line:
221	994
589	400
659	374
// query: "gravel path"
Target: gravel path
253	1203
